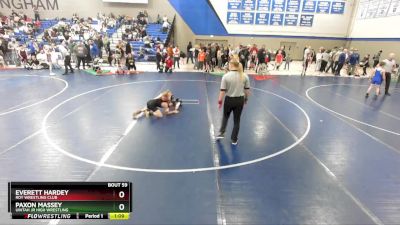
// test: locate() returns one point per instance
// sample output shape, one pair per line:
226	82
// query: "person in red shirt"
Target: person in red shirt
253	49
278	59
168	64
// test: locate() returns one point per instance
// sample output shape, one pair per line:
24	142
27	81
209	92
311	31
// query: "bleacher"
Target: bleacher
46	24
153	30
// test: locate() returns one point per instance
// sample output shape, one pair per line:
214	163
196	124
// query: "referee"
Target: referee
390	65
235	86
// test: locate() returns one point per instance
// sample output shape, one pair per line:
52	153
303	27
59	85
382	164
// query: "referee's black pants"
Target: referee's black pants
388	77
234	104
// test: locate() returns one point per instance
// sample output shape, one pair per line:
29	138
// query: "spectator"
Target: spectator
376	58
23	54
219	58
158	59
128	48
331	60
307	59
201	59
177	55
260	58
196	57
278	59
88	58
13	52
354	60
165	27
341	62
81	54
336	58
243	56
318	59
168	64
365	64
324	60
67	63
287	61
130	62
189	50
94	50
2	62
29	63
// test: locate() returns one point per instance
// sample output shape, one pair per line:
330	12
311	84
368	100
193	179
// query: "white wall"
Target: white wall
85	8
325	25
376	19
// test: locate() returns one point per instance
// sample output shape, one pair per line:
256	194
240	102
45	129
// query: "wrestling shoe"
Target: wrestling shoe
219	137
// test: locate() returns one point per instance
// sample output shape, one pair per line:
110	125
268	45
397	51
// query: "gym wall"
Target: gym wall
198	20
65	8
375	27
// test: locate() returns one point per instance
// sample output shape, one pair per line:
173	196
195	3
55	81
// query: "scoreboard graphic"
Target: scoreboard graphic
70	200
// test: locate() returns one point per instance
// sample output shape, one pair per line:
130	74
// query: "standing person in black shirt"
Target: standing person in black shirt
88	56
365	64
282	49
158	58
376	58
100	45
128	48
196	58
243	56
189	52
260	57
130	62
213	52
67	63
81	53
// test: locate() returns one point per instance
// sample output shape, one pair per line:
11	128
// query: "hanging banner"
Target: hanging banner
306	20
372	8
383	8
276	19
362	9
234	4
233	18
309	6
323	7
293	6
249	5
262	18
337	7
278	6
291	19
394	9
263	5
247	18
